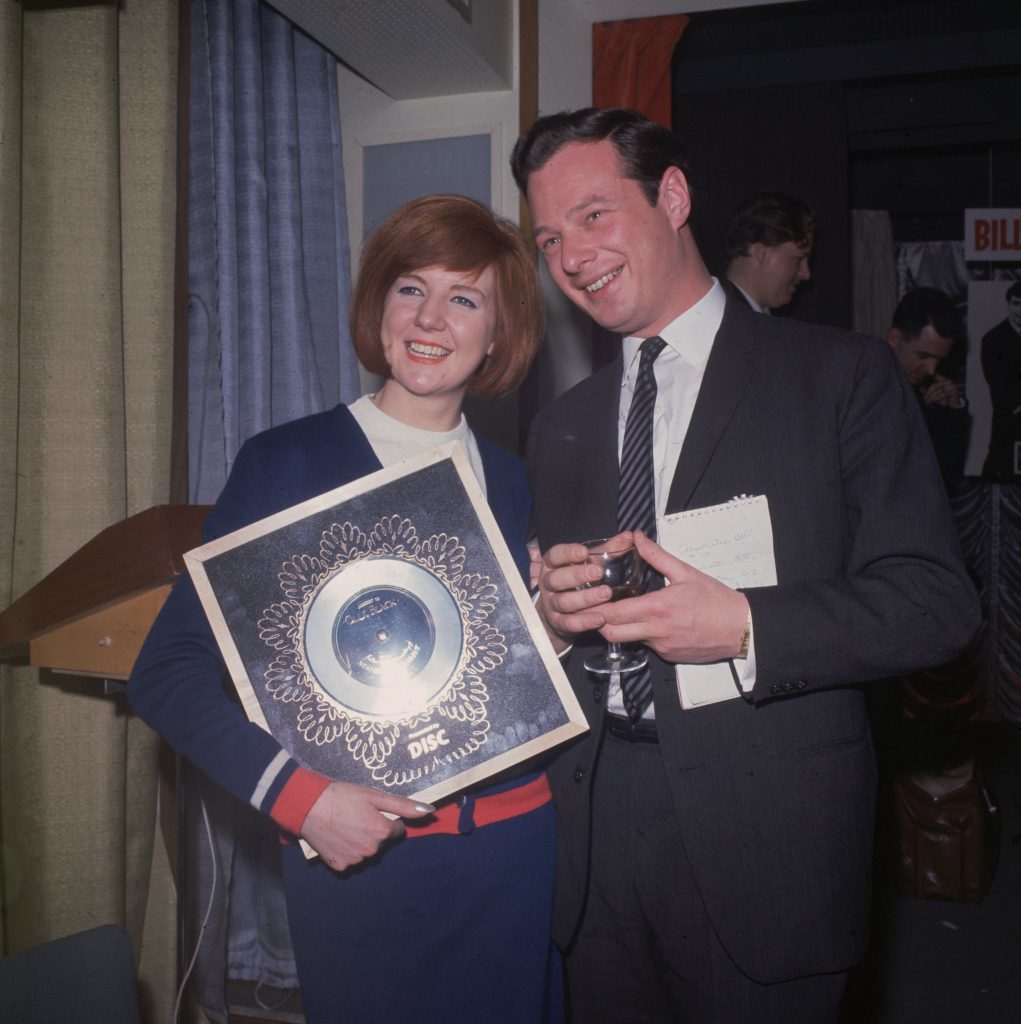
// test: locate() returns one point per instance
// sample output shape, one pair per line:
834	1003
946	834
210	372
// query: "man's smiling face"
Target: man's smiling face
611	253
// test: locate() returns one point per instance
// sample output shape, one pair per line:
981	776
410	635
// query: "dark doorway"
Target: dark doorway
911	107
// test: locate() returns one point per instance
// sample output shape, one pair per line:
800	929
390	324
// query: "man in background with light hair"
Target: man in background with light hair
769	241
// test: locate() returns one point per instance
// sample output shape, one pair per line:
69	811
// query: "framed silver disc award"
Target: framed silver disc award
382	634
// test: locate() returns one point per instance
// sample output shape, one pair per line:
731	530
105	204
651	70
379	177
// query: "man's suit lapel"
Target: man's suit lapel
733	292
727	376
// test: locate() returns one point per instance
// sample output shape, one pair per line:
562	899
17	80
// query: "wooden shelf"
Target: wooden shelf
90	615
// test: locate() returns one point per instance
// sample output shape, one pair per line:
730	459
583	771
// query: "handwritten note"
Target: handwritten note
732	542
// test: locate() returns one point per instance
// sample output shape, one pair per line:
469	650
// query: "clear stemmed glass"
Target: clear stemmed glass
623	571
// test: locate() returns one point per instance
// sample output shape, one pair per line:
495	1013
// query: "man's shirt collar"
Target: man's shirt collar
690	336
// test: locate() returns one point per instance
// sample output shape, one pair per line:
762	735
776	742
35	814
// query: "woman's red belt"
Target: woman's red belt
467	813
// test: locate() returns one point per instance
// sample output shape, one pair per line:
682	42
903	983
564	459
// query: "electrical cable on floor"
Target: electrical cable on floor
205	919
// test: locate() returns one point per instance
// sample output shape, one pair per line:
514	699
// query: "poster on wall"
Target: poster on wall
992	235
381	632
994	379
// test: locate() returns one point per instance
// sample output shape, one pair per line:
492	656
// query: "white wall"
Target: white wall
565	83
369	117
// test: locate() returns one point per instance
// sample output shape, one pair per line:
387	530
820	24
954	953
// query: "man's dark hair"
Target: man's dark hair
771	218
1014	291
645	149
921	307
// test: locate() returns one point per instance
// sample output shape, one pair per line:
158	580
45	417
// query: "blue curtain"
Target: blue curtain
269	271
269	284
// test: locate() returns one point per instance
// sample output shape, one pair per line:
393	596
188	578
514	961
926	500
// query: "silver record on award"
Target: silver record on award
383	637
384	643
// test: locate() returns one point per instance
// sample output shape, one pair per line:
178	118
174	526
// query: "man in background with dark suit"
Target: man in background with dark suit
769	242
1001	365
714	861
926	330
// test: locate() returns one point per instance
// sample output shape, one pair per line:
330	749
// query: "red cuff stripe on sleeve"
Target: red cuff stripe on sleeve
300	792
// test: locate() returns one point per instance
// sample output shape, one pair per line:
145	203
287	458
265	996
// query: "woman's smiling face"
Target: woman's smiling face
437	328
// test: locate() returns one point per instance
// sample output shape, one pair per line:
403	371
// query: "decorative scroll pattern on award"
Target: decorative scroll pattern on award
383	644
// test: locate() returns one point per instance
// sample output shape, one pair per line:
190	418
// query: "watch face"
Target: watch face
383	637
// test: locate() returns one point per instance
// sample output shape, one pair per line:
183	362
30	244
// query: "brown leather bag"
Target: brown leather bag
947	833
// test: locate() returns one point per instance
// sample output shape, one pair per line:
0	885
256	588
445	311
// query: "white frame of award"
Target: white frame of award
482	701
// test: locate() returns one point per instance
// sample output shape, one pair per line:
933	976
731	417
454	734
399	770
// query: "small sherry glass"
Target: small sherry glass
623	571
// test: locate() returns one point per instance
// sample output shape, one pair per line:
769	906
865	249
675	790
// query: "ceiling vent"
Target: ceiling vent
414	48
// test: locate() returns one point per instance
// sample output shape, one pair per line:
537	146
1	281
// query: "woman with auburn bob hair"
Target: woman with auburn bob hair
464	237
410	912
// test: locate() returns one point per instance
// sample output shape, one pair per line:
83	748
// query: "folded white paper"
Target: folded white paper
732	542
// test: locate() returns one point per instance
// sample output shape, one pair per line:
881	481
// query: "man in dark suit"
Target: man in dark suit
1001	365
926	331
768	243
714	862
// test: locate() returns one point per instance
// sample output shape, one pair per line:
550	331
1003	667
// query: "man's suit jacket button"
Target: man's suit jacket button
597	694
579	774
775	689
800	684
